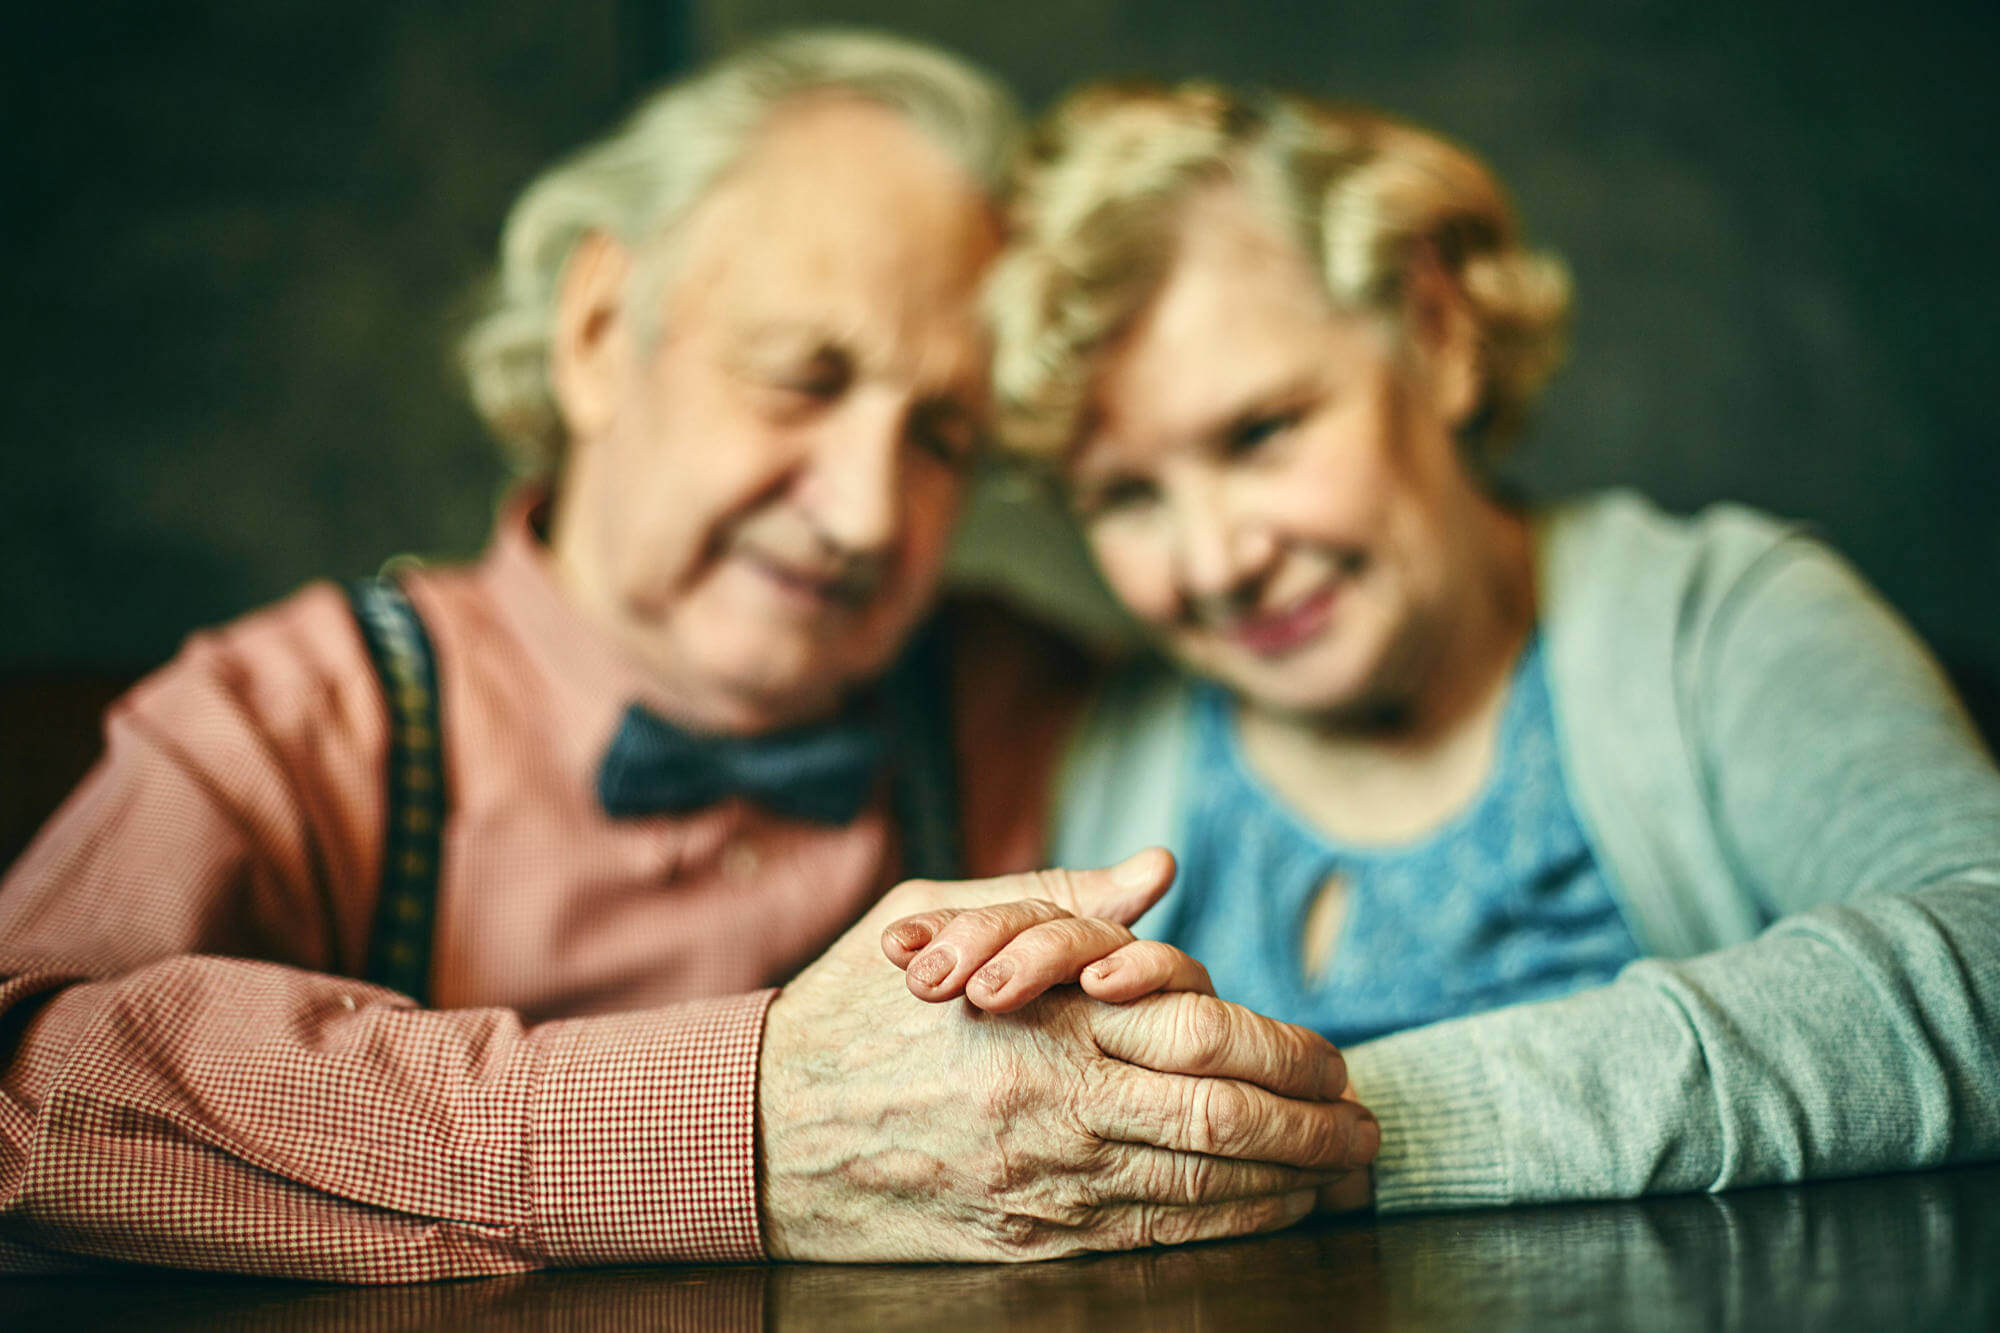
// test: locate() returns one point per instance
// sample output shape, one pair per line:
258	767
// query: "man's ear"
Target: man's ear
1444	335
591	350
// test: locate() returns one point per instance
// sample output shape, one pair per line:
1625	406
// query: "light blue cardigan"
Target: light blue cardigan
1750	737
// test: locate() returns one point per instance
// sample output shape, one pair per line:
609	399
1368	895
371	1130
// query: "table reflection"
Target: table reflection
1904	1251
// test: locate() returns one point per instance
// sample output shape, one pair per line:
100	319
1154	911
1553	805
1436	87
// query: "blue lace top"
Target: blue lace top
1504	903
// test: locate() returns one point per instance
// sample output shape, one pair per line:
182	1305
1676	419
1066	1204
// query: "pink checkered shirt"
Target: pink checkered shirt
190	1077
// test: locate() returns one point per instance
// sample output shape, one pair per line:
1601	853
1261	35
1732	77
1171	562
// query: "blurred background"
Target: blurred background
242	234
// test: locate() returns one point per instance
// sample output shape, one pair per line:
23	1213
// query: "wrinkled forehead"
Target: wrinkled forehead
844	217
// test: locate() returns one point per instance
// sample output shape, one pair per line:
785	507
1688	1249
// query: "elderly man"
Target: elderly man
638	769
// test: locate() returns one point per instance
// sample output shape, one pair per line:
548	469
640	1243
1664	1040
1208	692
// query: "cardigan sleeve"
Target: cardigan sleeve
1859	1032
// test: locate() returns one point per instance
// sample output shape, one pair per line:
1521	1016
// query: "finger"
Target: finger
1142	1173
1133	1226
1123	892
1221	1117
1119	893
1183	1033
967	941
1054	953
1144	967
905	938
1351	1193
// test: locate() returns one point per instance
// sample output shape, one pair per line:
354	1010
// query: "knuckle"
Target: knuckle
1156	958
1197	1177
1070	1208
1133	1228
1175	1227
932	920
1017	1233
1073	937
1038	947
1098	934
1254	1215
1076	1199
965	926
1302	1053
1222	1119
1206	1031
1041	1215
1015	918
1324	1136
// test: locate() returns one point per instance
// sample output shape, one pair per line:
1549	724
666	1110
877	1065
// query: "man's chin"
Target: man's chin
756	700
766	682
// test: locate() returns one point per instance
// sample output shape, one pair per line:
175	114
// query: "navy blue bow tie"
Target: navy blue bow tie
823	773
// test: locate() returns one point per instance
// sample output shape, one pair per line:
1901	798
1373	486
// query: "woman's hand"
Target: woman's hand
1002	956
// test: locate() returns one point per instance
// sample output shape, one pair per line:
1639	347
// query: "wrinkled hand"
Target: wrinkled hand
893	1130
1001	956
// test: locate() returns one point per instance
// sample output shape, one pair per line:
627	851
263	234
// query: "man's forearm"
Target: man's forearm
245	1117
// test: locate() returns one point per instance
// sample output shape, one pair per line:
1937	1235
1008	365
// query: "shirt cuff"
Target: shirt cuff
1440	1125
643	1137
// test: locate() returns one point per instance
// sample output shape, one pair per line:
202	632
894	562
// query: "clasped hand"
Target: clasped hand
893	1130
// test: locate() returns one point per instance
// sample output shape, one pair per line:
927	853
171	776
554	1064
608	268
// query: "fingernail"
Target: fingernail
995	974
1368	1139
1104	968
910	935
933	967
1135	872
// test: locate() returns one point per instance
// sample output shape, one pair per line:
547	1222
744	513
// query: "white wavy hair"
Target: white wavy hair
1101	193
639	182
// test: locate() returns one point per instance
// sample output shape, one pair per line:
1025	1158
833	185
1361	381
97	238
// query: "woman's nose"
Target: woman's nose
1221	552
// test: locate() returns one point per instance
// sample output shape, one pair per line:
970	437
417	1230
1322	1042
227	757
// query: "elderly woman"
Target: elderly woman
1627	853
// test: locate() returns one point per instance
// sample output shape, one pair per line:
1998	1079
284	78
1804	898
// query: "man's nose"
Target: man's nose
856	484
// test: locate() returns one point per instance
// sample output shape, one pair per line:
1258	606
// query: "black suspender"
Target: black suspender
399	945
924	788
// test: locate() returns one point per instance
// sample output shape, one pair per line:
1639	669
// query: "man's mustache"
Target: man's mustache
849	577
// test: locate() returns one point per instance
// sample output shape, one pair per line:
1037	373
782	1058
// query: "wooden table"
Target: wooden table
1896	1252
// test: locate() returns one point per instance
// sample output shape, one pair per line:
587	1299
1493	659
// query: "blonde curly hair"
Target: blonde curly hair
1098	202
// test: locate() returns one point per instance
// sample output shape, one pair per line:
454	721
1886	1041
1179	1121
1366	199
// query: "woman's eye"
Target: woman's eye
1116	497
1253	433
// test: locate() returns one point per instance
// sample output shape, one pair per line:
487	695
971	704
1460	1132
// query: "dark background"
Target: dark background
240	234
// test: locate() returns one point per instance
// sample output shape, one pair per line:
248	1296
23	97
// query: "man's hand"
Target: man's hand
893	1130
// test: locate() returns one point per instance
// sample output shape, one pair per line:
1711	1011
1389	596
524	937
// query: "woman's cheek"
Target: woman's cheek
1137	566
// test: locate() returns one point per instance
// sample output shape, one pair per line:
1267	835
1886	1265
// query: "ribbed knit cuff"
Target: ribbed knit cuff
1440	1125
